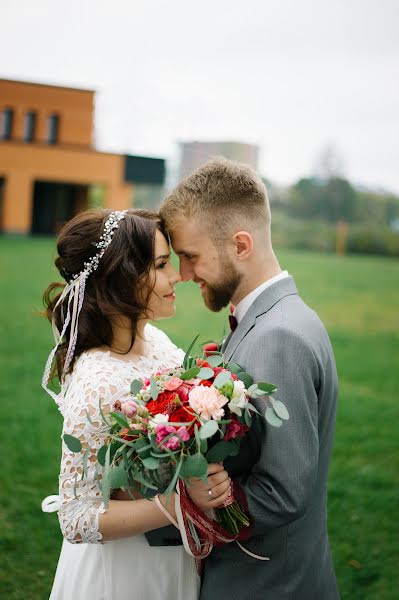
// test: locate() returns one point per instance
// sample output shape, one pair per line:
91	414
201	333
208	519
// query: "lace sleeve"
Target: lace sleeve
80	499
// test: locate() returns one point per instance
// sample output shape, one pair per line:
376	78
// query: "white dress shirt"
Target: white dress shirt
245	303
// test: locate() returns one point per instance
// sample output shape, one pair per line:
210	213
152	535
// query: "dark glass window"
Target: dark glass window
52	129
29	126
6	124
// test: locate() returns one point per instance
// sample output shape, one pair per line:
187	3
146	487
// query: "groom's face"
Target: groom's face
205	264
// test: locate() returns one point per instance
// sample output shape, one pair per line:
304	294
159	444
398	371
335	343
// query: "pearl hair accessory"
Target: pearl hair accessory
111	225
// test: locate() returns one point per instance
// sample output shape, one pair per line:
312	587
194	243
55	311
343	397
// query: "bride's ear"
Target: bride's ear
243	245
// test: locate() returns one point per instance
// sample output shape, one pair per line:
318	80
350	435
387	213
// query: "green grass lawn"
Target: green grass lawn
358	299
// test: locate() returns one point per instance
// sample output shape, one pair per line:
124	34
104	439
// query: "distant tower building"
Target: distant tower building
195	154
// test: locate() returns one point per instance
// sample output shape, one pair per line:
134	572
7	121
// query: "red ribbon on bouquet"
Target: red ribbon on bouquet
199	532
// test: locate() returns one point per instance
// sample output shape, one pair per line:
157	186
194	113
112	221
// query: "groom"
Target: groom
219	222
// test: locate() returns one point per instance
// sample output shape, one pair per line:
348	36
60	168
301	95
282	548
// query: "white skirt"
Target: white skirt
126	569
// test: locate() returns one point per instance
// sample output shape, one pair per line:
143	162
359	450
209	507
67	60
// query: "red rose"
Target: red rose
206	383
202	363
165	403
181	415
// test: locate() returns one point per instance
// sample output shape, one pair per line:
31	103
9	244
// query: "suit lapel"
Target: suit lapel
263	303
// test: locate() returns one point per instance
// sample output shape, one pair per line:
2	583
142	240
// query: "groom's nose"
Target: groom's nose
186	270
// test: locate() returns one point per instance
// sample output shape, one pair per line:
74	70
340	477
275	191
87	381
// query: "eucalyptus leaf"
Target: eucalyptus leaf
272	418
73	443
252	388
197	437
258	393
151	463
194	465
280	409
208	429
172	484
153	389
141	479
234	367
120	418
247	418
105	486
269	388
235	447
101	454
117	478
215	360
205	373
190	373
136	386
247	379
219	452
221	379
204	447
252	408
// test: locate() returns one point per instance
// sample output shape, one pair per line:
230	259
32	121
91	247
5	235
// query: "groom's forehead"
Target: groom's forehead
187	235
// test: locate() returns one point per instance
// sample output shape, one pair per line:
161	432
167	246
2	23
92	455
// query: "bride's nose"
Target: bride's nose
176	277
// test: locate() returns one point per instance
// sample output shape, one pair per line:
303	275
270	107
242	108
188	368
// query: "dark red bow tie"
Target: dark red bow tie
233	322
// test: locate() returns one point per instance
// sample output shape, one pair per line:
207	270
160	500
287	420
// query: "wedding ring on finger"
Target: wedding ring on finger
210	493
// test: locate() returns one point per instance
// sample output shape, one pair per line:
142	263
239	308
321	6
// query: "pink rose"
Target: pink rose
146	382
207	402
129	408
172	384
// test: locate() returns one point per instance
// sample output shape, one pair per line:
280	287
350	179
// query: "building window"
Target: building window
6	117
52	129
29	126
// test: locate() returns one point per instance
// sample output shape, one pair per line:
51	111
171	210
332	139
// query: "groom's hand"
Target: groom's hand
213	492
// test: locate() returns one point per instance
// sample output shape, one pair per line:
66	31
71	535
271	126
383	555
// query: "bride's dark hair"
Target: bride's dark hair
120	285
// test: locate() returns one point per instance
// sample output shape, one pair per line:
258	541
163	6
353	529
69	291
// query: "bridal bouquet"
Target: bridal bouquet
174	424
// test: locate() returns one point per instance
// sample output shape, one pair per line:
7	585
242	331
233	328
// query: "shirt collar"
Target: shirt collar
243	306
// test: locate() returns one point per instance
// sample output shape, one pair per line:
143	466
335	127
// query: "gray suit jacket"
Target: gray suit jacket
283	471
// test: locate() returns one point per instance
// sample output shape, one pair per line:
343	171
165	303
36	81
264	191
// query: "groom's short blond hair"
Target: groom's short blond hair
222	195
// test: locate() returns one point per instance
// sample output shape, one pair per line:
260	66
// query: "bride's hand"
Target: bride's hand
214	492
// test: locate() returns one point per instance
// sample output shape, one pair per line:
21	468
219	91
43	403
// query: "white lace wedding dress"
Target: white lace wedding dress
124	569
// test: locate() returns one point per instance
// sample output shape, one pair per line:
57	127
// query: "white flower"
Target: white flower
158	419
238	399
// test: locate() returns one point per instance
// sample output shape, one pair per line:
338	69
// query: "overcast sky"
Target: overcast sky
288	75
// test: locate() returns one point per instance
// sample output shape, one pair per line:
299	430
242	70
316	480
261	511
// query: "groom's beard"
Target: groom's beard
217	296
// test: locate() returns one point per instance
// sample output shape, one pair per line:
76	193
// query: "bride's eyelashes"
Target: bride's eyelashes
162	265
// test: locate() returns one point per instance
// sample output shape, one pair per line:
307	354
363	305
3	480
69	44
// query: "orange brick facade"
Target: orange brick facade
62	155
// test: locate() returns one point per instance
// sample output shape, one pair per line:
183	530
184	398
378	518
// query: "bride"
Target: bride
118	276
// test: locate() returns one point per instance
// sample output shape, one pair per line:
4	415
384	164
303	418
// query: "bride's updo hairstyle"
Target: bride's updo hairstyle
120	286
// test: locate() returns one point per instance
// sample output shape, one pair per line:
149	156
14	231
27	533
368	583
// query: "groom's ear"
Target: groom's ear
243	245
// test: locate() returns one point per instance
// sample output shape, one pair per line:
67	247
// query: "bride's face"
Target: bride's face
163	278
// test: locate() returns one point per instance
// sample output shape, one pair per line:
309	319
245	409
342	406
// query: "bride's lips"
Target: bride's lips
171	296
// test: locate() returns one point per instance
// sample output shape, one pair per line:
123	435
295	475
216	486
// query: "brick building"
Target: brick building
48	163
